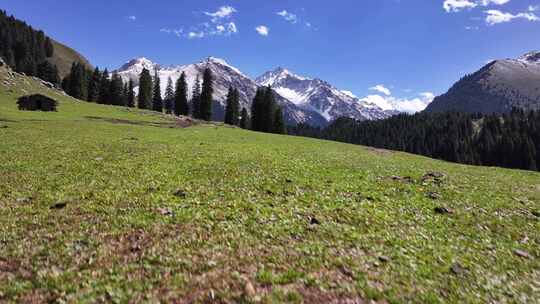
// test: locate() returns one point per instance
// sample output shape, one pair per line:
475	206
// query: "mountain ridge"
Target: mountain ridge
497	87
321	96
225	76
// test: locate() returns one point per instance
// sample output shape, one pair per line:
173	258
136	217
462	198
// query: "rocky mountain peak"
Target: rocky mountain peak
531	57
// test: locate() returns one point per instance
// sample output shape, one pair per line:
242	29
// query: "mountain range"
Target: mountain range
304	100
497	87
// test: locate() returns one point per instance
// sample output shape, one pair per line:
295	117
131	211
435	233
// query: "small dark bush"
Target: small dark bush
37	102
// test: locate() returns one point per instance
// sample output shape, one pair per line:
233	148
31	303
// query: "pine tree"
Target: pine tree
269	106
104	86
181	106
125	95
78	81
93	86
244	121
196	99
145	90
157	100
116	90
131	94
257	111
169	97
207	95
49	49
232	107
279	125
48	72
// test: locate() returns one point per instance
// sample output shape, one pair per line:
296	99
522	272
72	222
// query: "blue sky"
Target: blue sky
405	46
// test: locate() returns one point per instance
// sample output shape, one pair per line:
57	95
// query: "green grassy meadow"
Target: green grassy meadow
105	204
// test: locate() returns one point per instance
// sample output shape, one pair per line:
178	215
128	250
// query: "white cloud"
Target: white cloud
225	29
495	17
262	30
458	5
533	8
176	32
193	35
407	105
292	18
231	28
220	25
381	89
222	13
496	2
132	18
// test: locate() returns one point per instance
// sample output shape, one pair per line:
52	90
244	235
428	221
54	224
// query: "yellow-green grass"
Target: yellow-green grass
90	211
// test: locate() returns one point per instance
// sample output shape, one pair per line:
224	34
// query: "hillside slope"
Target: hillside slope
496	88
64	57
106	204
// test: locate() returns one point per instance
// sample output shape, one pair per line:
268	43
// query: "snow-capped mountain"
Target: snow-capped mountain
497	87
225	76
320	96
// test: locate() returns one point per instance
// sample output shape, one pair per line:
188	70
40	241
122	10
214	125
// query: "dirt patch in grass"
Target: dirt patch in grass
379	151
179	122
11	267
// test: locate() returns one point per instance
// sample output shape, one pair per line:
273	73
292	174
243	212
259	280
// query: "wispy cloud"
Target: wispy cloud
176	32
222	13
409	105
221	23
495	17
288	16
262	30
453	6
457	5
132	18
381	89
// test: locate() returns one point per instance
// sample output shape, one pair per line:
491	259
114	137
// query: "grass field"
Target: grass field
104	204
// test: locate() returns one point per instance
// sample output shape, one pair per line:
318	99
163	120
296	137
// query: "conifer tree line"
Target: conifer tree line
26	50
98	86
511	140
176	96
101	87
266	114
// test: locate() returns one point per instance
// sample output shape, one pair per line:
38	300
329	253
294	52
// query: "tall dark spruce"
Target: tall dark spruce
157	100
257	111
131	94
145	90
104	85
116	90
279	124
232	108
196	99
93	85
125	94
207	94
27	50
269	108
169	97
244	120
76	83
181	106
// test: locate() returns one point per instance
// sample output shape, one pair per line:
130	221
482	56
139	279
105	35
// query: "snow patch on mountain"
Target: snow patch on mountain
225	76
320	96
